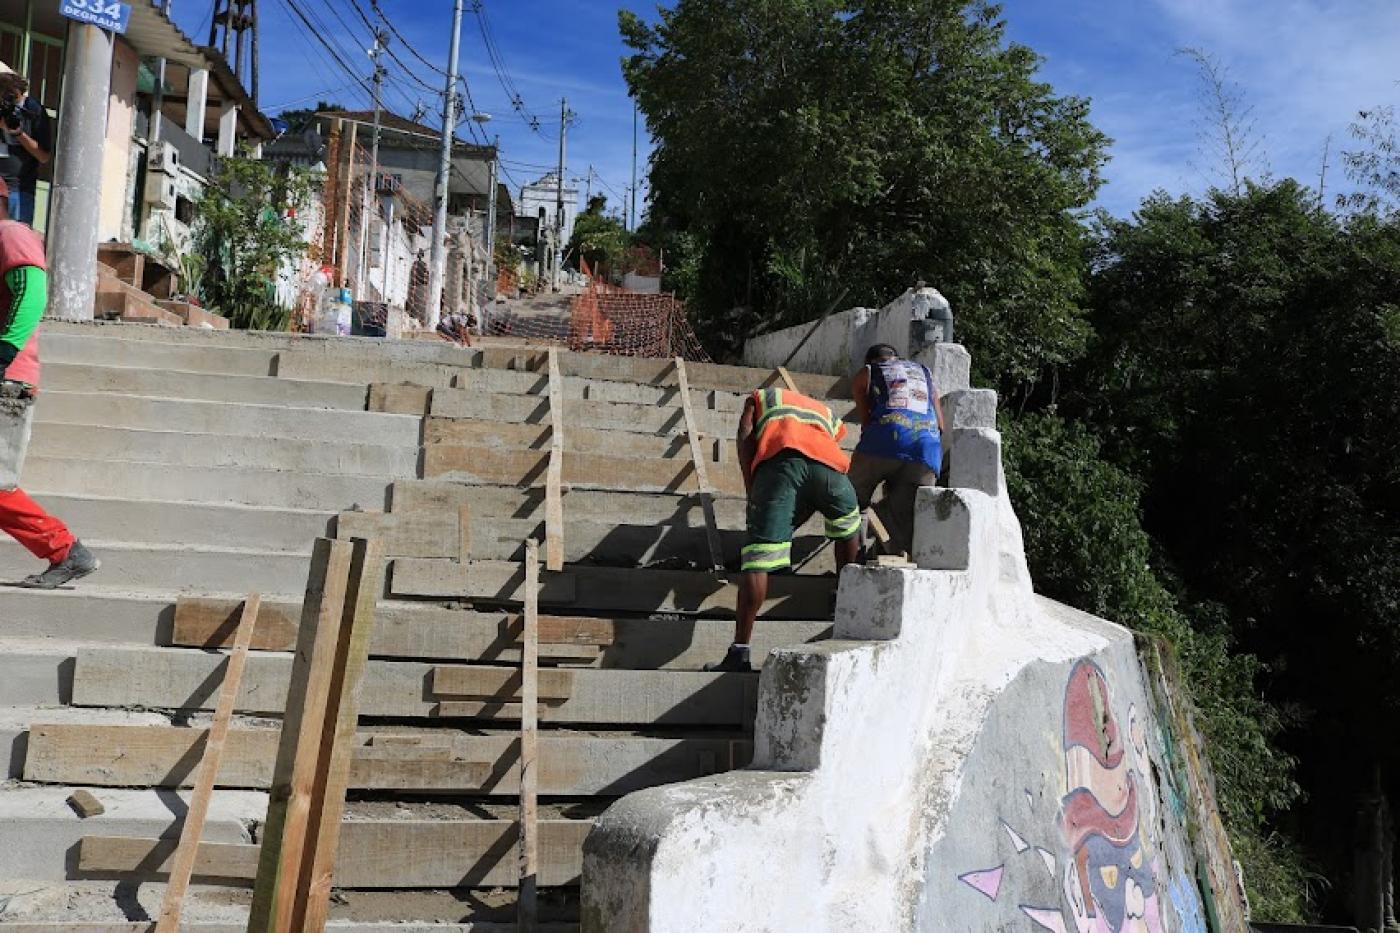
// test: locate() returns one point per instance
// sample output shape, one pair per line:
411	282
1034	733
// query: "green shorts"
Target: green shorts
786	489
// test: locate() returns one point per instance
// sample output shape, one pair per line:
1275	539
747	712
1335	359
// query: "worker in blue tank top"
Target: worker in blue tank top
900	440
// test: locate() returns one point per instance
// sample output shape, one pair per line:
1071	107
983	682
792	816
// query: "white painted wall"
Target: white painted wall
839	343
883	757
544	194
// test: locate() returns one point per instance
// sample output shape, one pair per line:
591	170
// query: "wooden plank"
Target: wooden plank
400	630
374	854
528	468
554	507
570	764
171	678
421	533
217	737
610	589
504	683
527	906
702	480
400	398
786	378
478	434
295	779
500	501
366	583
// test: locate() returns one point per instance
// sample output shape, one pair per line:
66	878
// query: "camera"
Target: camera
9	111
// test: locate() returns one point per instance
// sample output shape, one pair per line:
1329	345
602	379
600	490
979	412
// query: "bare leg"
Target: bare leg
753	590
847	552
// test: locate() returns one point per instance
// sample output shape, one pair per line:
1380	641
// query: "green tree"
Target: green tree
598	238
247	233
298	118
813	147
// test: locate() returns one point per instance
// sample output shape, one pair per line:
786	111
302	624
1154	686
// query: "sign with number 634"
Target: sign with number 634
107	14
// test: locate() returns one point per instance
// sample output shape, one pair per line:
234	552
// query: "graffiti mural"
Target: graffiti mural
1098	848
1110	879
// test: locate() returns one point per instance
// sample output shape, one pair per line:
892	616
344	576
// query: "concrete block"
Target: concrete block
969	408
953	528
193	315
870	602
975	460
102	346
16	720
91	614
950	364
209	387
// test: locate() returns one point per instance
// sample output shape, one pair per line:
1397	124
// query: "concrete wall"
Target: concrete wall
838	346
116	152
962	755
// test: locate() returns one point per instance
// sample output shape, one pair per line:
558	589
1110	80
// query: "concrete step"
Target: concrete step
16	720
219	485
191	524
89	442
215	387
36	672
38	830
177	568
95	613
101	346
202	417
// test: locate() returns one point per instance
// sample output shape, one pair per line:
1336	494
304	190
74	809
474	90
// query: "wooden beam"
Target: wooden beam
554	507
500	501
528	468
504	683
478	434
786	377
610	589
407	630
294	783
400	399
527	903
312	908
374	854
174	678
420	533
570	763
702	480
215	740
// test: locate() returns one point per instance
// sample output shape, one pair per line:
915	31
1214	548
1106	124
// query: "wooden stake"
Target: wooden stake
193	828
786	377
338	734
702	479
294	778
526	906
554	508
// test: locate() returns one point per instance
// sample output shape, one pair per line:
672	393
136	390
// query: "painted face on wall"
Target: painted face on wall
1109	881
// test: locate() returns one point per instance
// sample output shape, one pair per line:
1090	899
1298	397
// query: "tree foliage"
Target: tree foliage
815	146
247	233
599	239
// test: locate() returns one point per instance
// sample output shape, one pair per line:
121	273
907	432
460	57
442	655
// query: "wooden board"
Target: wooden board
532	688
305	692
610	589
400	399
374	854
531	468
400	631
312	907
405	630
478	435
175	678
702	479
192	827
553	507
501	683
500	501
467	762
422	533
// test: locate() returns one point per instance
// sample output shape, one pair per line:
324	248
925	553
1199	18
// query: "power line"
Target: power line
498	65
331	53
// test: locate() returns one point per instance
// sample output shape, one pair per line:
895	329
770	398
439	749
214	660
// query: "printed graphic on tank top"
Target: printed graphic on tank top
903	423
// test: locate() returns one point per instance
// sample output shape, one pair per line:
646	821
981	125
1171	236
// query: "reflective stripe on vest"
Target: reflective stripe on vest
786	420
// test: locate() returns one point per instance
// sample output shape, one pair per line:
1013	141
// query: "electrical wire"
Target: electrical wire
498	65
329	52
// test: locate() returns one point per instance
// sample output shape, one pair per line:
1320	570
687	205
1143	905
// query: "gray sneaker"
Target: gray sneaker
79	563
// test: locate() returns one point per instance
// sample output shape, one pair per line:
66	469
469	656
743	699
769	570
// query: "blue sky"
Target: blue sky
1306	66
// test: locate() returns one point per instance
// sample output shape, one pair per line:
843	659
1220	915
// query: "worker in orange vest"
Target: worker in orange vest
790	452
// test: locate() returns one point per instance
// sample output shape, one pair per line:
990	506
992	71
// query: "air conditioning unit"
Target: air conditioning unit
164	158
160	190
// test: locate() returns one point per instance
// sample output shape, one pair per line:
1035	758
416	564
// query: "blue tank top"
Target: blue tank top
903	424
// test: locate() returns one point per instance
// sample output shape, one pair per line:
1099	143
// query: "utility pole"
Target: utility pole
632	211
371	180
559	195
491	203
437	265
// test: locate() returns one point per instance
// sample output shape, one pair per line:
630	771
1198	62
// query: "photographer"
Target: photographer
26	142
23	294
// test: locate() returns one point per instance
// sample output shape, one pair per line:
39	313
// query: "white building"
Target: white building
540	200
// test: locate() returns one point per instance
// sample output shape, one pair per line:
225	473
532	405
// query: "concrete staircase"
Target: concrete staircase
201	464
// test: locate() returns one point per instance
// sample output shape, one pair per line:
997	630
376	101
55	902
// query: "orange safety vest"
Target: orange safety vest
785	420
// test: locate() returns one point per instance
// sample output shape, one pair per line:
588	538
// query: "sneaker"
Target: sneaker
736	660
79	563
